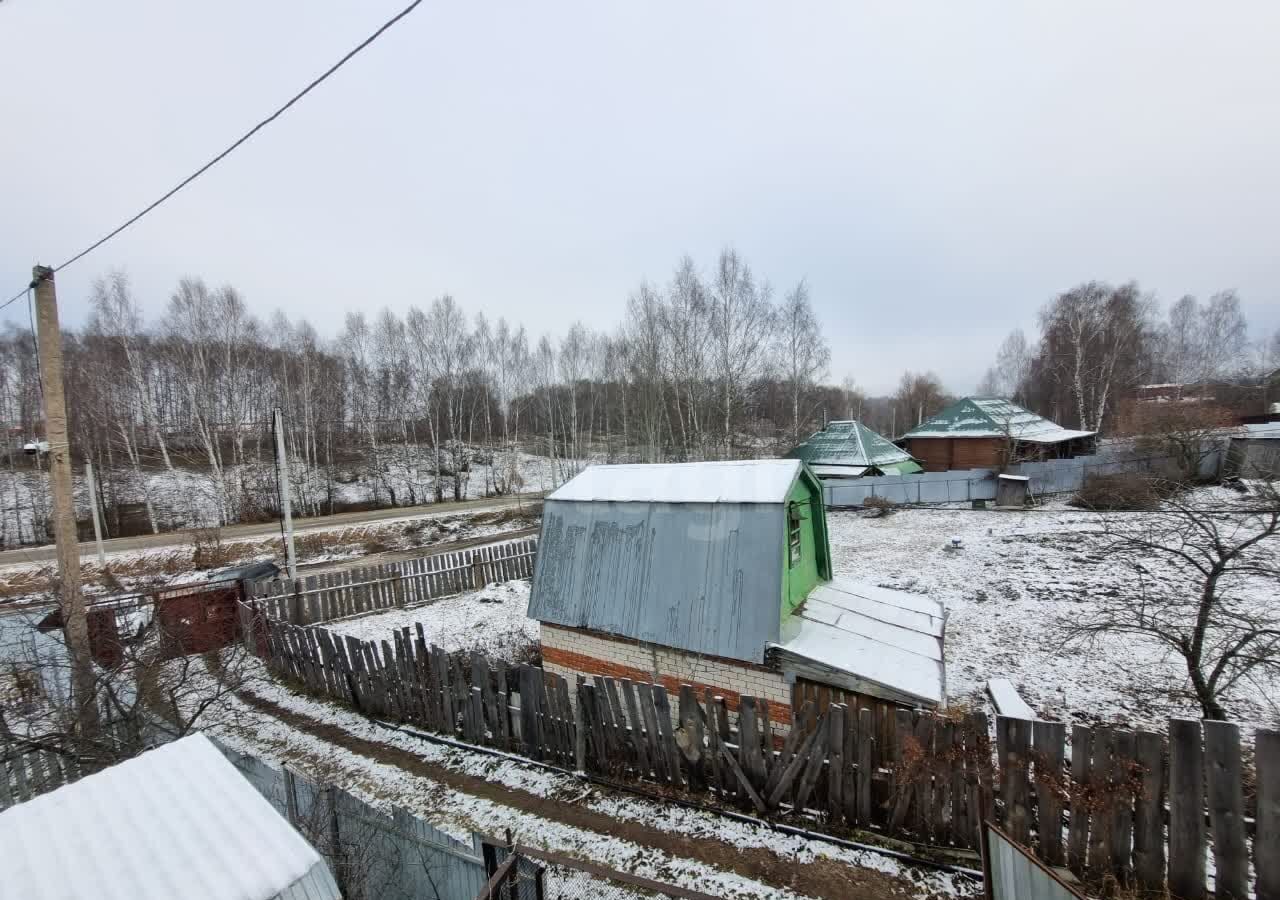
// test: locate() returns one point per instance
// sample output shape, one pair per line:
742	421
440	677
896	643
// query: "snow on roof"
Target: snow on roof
849	443
837	471
1263	430
869	639
177	821
975	417
746	481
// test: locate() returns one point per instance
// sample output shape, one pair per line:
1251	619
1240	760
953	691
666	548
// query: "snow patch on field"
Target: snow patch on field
1017	581
493	620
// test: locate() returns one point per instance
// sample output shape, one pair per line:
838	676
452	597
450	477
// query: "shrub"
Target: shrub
207	550
1125	490
877	507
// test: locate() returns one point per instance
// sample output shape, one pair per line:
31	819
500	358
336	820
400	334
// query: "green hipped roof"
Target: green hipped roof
975	417
853	444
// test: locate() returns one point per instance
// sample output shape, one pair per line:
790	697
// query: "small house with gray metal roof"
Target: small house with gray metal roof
990	433
849	449
719	575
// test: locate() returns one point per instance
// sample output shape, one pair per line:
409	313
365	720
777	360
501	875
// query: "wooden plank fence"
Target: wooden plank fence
1099	804
24	776
319	598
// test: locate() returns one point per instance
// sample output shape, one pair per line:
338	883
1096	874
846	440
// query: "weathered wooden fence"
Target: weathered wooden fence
1098	804
319	598
30	774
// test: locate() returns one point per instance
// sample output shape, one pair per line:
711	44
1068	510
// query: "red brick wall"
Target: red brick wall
575	650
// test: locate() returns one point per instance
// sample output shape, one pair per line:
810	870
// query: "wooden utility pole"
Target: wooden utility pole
74	621
286	503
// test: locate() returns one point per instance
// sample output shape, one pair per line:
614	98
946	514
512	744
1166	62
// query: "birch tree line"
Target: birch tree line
434	404
1098	343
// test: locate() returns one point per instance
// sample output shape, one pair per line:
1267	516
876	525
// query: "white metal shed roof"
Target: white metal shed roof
868	639
177	821
745	481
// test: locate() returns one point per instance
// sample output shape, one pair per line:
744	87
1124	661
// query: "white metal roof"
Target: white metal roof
837	471
177	821
1262	430
869	639
746	481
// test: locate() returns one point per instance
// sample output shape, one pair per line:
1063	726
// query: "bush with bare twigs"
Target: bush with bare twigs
877	507
1126	490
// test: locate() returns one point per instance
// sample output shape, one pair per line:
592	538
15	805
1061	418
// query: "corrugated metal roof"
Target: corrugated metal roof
850	443
870	639
976	417
745	481
177	821
702	577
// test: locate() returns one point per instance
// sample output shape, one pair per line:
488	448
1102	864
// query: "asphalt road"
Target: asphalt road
268	529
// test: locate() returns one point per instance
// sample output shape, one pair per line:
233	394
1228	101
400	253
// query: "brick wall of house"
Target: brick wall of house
570	651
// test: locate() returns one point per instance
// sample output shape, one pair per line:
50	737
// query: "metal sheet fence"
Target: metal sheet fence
372	854
1095	799
1051	476
320	598
1013	873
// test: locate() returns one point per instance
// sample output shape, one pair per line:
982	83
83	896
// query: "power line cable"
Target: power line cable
229	150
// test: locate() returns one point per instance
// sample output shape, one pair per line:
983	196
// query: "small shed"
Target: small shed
849	449
718	575
988	433
1255	450
704	557
177	821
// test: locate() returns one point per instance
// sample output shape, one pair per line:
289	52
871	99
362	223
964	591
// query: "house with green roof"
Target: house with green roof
849	449
990	433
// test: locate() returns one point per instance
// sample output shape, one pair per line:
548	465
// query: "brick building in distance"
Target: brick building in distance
719	575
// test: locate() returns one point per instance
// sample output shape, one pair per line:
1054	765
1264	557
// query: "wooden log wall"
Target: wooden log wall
333	595
1099	803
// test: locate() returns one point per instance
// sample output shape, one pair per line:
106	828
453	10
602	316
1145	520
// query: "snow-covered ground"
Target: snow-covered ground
492	620
458	813
188	498
145	569
1017	582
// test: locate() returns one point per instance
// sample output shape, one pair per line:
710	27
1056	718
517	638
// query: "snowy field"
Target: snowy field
144	569
1018	581
492	620
186	498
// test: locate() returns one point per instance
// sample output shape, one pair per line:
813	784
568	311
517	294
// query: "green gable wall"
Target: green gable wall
814	564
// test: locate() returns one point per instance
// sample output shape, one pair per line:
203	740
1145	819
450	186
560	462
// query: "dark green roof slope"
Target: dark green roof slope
851	443
974	417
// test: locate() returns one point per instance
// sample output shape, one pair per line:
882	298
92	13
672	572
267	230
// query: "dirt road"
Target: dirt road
269	529
395	556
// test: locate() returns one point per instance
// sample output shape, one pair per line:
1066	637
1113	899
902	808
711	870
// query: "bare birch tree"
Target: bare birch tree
802	350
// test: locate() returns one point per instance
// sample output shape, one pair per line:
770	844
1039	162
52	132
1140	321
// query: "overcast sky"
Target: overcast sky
935	171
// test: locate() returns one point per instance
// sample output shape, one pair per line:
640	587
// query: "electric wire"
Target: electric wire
316	82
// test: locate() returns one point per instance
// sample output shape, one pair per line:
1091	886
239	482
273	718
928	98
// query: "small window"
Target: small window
793	532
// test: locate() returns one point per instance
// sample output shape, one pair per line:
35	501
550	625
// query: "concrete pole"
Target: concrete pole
286	505
75	622
97	518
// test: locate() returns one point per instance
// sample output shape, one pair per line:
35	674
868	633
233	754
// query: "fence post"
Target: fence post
1266	836
1186	810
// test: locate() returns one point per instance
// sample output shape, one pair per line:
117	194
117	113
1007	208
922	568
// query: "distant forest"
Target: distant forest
712	364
